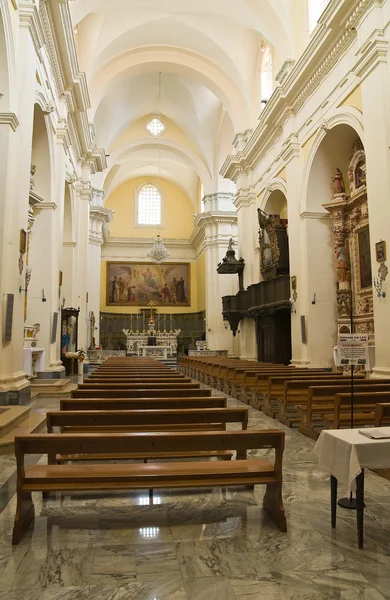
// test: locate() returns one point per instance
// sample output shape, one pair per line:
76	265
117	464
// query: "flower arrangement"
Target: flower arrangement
81	354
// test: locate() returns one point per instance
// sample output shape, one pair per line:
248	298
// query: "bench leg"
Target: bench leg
273	505
360	507
150	497
333	499
25	514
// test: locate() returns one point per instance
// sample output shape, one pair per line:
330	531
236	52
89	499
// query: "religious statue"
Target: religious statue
32	173
342	267
338	183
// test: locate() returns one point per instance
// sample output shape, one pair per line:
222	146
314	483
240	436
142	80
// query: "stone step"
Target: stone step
50	387
12	416
34	423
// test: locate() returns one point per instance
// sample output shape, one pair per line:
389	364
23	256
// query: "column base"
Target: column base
15	389
380	372
53	372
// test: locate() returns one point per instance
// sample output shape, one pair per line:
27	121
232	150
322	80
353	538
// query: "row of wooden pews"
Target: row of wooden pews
311	399
140	410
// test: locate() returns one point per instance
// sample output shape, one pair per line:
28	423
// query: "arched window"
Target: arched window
316	8
267	80
149	206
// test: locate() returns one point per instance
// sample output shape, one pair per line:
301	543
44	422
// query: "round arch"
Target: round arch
192	159
347	116
191	64
277	185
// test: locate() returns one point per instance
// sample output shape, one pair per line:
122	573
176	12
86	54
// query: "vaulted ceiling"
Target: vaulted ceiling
209	54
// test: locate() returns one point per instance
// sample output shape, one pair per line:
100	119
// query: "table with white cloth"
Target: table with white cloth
345	453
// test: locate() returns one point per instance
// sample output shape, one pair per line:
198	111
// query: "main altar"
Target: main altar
151	341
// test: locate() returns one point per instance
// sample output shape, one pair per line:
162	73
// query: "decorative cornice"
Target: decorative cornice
103	215
373	51
148	243
333	36
285	70
314	215
246	197
71	83
45	206
9	119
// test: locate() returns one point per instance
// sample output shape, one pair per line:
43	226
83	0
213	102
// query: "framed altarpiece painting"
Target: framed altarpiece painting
139	284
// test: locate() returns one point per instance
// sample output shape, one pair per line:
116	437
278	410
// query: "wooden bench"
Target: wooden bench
77	478
142	403
285	389
139	393
320	400
381	414
364	409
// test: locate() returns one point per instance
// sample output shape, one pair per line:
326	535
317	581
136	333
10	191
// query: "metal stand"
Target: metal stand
350	503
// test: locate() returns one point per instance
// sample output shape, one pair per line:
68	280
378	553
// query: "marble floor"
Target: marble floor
197	546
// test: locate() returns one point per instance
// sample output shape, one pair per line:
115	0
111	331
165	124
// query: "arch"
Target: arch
277	184
177	60
192	159
7	59
42	153
347	116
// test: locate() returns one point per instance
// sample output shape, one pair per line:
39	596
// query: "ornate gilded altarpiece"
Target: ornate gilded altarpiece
351	235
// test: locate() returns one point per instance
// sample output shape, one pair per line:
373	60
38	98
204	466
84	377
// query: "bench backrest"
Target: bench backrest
332	390
91	418
370	398
139	393
141	403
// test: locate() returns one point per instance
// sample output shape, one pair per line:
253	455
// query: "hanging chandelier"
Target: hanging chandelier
158	251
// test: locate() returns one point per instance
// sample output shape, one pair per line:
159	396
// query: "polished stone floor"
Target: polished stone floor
198	546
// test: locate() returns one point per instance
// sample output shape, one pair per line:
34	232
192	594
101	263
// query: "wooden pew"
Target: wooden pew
140	393
296	392
275	396
364	408
262	395
320	400
78	478
142	403
381	414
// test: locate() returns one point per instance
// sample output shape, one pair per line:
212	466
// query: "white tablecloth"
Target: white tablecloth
345	452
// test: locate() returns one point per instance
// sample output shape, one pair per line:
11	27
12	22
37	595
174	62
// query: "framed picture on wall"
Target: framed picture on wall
380	251
23	241
137	284
364	258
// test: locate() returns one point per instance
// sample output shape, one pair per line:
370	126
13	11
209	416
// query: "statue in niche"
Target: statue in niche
338	183
342	268
32	173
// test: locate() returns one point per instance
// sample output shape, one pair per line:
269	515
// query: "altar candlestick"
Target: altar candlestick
165	323
131	323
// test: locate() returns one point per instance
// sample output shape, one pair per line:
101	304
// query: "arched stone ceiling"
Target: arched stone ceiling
208	54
